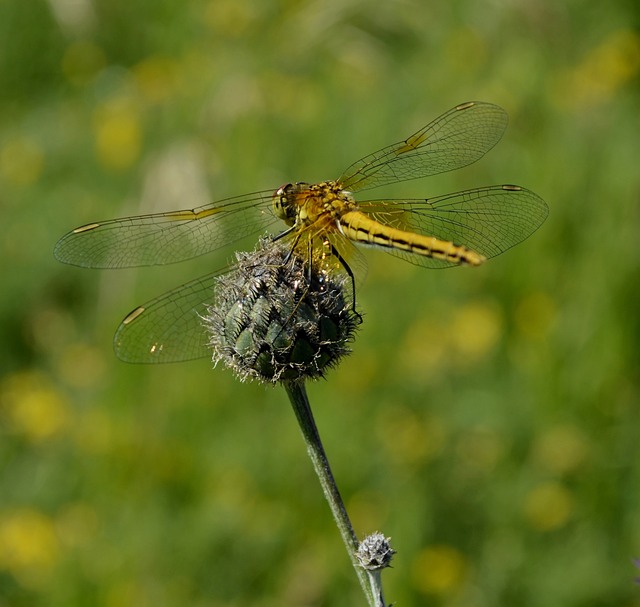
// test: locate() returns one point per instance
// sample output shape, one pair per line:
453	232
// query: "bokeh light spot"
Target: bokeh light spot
229	18
548	506
118	133
475	330
424	351
157	78
29	546
604	70
439	570
409	437
33	405
561	449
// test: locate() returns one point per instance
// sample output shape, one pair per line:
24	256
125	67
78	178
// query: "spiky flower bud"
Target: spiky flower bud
275	319
375	552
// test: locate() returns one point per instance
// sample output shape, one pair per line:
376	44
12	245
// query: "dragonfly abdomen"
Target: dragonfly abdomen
360	228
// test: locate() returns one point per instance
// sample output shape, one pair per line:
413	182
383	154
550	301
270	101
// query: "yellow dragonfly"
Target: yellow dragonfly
463	228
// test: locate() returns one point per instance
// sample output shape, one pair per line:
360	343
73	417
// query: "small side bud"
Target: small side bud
375	552
275	319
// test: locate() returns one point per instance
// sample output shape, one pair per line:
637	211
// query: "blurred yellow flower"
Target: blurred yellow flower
475	330
561	449
29	547
118	133
409	437
548	506
460	336
229	18
603	71
33	405
439	570
157	78
425	351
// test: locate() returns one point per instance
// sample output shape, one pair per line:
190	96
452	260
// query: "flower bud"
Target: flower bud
274	318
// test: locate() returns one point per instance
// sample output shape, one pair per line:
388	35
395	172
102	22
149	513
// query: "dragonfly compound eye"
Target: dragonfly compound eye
274	320
281	202
285	204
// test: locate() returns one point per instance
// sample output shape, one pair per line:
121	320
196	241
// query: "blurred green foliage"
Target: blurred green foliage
487	420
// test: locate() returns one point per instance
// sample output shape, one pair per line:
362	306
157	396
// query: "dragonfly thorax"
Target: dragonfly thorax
304	204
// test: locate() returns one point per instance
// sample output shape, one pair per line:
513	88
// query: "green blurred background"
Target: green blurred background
487	420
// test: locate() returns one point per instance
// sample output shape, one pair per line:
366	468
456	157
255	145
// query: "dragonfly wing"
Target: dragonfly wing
487	220
168	328
457	138
163	238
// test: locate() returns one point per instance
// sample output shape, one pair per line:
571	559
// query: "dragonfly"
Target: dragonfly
321	221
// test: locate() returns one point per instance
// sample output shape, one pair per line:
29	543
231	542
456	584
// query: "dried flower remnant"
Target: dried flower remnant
375	552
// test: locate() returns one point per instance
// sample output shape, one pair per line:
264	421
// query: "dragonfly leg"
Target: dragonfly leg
352	278
282	234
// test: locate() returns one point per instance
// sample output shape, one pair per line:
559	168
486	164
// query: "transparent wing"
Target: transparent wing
168	328
487	220
163	238
457	138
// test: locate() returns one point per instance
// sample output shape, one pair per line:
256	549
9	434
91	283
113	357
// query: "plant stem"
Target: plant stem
300	403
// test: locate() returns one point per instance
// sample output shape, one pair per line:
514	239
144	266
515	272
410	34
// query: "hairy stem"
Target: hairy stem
300	403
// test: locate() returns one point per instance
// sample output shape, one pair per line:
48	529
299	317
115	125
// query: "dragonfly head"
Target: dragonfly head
284	202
